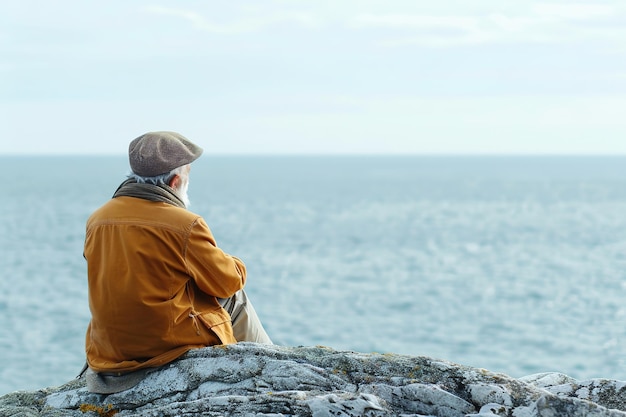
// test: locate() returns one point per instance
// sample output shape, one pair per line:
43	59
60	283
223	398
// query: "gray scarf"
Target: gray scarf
163	193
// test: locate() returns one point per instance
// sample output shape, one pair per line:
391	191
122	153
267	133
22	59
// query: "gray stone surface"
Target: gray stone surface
260	380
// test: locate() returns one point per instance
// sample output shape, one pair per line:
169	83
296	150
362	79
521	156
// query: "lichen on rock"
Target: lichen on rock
249	379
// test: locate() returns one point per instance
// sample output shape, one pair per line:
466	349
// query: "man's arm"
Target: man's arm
214	271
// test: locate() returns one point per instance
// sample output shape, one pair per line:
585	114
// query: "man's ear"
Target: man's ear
175	181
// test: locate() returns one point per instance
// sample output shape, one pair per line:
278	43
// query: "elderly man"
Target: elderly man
158	283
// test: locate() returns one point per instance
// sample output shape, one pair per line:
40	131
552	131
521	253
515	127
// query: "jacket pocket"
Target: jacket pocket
219	322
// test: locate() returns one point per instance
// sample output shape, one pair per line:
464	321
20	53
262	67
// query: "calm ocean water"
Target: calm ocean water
513	264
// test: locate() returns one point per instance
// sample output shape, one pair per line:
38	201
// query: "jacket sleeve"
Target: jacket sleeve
214	271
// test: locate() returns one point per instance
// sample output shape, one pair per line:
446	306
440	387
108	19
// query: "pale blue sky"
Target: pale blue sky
333	76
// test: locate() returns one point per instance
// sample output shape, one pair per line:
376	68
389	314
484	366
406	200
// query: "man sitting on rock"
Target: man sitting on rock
158	283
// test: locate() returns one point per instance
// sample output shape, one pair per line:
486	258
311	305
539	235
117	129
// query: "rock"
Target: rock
606	392
259	380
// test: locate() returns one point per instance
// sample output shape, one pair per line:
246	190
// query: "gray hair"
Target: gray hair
159	179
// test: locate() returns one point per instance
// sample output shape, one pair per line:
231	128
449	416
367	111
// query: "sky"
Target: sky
315	77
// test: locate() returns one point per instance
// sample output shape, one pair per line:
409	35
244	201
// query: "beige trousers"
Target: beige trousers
246	324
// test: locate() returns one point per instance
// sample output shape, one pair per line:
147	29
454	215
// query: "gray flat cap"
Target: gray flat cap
156	153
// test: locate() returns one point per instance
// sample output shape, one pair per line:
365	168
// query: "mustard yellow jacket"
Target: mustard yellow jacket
154	273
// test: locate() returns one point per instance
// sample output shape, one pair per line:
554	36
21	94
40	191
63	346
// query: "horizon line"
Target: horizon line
336	154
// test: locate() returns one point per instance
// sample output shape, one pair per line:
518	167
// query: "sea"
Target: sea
514	264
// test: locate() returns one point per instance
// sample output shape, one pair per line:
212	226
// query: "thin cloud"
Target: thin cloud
242	25
545	23
431	30
420	21
573	11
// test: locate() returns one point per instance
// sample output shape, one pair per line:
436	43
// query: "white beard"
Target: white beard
182	191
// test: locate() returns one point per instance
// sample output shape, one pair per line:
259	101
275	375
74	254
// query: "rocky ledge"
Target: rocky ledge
259	380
